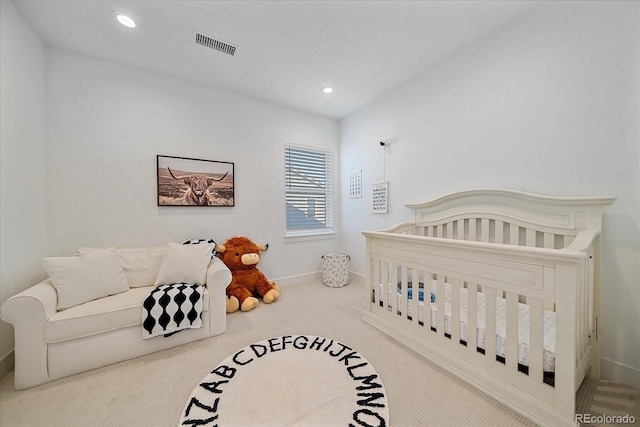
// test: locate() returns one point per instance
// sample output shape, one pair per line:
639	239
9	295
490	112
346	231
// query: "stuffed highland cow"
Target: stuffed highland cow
241	256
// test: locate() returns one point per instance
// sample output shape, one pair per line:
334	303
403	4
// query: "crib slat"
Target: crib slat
472	317
386	295
455	310
536	338
426	307
514	234
549	240
461	229
531	237
472	229
377	297
439	230
511	352
449	234
393	288
428	286
484	230
404	292
415	313
439	304
490	326
499	232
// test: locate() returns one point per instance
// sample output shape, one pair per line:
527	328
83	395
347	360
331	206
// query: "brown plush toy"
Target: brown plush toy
241	256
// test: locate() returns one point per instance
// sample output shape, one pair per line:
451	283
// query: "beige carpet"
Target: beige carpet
132	393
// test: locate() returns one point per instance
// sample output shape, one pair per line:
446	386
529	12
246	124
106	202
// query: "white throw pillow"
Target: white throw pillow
185	264
140	265
82	279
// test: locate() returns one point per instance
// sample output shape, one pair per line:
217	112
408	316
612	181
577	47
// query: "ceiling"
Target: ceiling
286	50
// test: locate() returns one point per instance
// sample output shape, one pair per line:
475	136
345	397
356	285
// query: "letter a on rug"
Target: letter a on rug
292	380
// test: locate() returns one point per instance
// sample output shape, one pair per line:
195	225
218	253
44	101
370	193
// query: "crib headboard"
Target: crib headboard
509	217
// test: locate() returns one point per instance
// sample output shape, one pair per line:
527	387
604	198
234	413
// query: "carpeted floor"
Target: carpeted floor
152	390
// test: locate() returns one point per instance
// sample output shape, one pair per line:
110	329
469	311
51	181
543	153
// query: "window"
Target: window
309	189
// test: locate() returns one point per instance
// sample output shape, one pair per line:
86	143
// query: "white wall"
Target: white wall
22	152
107	122
549	105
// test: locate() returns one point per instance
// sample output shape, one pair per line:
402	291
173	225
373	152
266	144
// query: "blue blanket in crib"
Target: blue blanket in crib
420	291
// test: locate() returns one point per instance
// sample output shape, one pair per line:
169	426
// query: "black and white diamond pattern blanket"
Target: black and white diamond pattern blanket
172	308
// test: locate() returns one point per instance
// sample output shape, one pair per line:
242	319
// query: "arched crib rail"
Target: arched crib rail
508	217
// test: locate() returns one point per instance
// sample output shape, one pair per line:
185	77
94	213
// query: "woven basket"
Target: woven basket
334	269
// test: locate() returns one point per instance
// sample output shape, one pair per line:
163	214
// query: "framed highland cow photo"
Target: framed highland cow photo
183	181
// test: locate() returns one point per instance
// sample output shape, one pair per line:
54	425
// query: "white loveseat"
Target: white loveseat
54	341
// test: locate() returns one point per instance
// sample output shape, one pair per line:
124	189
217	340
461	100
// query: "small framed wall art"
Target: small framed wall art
380	195
355	184
183	181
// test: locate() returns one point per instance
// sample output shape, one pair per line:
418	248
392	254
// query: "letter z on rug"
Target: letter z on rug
290	380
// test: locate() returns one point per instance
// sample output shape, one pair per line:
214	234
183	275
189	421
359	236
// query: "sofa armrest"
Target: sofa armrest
28	312
218	278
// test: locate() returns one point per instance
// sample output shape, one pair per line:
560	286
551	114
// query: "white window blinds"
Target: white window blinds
309	189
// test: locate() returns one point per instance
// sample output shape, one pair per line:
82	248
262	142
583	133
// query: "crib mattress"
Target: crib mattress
549	334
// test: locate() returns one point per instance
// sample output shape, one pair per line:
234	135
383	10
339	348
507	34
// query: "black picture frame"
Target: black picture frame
184	181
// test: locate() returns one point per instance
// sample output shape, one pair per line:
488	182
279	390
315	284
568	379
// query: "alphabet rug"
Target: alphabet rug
290	380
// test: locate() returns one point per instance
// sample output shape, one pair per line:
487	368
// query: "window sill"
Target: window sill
302	236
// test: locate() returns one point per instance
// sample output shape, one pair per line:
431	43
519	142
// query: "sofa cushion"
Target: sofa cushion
202	242
81	279
185	264
140	265
106	314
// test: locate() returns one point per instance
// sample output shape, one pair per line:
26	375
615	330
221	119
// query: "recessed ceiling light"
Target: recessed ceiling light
126	20
327	89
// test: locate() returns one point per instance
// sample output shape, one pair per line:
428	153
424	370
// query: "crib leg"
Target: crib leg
595	338
595	352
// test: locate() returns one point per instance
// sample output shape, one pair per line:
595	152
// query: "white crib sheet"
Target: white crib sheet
549	335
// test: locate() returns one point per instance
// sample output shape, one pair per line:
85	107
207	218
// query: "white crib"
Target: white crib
507	270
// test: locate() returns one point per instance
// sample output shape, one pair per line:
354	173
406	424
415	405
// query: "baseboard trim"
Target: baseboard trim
357	277
620	373
316	275
299	279
7	363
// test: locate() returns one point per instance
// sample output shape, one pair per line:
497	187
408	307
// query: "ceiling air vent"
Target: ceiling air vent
215	44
